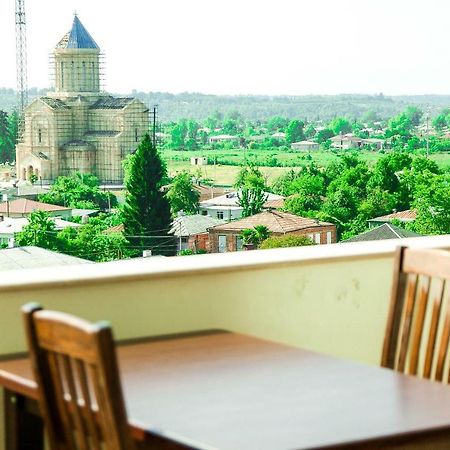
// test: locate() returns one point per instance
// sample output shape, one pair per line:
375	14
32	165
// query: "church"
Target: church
77	127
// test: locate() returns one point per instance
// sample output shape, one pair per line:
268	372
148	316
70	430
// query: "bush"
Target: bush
288	240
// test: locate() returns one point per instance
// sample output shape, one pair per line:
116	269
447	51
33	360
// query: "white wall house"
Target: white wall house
227	207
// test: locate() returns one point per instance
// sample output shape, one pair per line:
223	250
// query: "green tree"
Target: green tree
287	240
277	123
339	125
146	213
39	232
8	136
79	191
178	134
294	131
254	236
251	187
182	194
324	135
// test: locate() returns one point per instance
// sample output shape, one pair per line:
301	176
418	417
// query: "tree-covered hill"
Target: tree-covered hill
257	107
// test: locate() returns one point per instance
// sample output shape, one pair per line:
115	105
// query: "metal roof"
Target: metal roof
109	102
78	37
385	231
195	224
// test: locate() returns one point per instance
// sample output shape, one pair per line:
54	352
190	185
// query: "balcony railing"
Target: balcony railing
332	298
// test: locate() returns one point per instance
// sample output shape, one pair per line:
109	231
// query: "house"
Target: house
382	232
227	206
305	146
406	216
10	226
375	143
23	207
227	237
346	141
192	231
208	192
35	257
224	138
279	136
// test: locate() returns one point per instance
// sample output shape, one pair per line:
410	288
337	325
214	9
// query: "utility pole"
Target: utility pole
21	62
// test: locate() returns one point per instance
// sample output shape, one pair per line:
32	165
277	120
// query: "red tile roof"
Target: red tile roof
275	221
25	206
405	216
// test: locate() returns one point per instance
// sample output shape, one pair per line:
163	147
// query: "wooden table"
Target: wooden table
232	392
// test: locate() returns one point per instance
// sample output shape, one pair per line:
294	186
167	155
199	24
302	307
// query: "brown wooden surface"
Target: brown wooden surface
418	327
228	391
80	394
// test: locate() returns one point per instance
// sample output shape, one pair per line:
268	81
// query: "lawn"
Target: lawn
222	174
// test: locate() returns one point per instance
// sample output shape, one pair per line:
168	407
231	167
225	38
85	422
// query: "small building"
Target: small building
227	206
227	237
199	161
305	146
346	141
23	207
18	258
208	192
279	136
224	138
406	216
10	226
382	232
192	231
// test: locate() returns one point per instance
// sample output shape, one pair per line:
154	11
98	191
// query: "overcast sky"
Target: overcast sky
292	47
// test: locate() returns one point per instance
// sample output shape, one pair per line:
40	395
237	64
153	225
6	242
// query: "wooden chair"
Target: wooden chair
75	366
418	327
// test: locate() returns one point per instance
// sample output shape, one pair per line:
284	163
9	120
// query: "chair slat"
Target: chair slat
434	326
407	320
421	307
443	347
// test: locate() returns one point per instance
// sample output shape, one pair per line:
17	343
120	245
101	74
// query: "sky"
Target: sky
266	47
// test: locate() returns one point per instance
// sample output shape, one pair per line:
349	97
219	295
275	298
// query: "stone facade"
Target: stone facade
77	127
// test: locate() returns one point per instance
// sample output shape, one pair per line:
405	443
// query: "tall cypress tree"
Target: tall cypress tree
146	212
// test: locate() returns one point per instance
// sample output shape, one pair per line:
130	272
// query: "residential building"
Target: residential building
227	206
76	127
10	226
192	231
305	146
224	138
406	216
23	207
227	237
374	143
382	232
199	161
346	141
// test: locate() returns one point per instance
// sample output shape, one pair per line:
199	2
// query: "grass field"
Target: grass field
226	174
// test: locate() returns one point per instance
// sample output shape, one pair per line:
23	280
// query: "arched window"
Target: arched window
62	75
83	64
40	136
136	135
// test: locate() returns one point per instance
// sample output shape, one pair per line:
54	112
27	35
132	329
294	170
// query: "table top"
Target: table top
229	391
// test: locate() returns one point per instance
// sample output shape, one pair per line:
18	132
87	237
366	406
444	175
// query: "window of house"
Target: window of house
328	237
222	243
204	213
239	243
317	238
220	214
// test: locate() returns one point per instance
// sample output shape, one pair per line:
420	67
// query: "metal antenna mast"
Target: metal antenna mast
21	56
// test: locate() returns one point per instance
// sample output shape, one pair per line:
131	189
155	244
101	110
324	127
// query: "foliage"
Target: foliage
294	131
254	236
324	135
287	240
146	213
182	195
251	187
8	136
39	232
339	125
79	191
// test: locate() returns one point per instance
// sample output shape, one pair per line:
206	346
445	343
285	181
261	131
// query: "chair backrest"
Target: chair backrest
418	327
75	366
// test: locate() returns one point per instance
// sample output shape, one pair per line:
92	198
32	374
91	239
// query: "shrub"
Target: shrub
288	240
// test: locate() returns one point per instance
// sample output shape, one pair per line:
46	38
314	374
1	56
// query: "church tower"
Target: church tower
77	62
